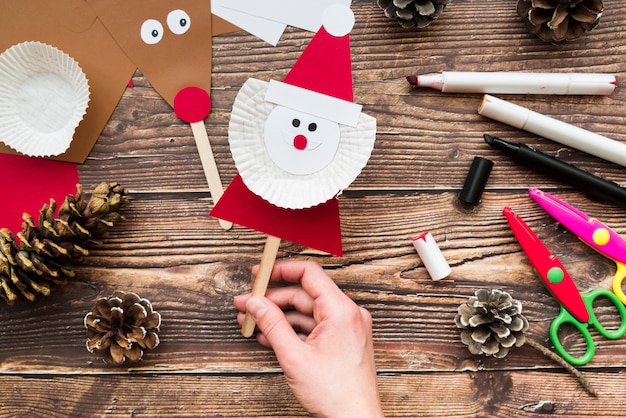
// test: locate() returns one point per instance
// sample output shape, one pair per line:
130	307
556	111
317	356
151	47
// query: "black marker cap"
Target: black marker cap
476	180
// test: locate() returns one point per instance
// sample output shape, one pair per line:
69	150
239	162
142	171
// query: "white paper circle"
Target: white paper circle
246	136
300	143
43	97
338	19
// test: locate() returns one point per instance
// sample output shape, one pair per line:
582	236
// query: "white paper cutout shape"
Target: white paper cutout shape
300	143
268	30
301	14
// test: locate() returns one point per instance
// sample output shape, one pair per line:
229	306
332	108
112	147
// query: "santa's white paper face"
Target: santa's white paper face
300	143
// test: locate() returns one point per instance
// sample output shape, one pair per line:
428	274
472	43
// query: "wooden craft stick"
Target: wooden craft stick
193	105
208	164
262	280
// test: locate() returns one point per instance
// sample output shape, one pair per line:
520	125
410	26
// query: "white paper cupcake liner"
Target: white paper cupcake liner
44	95
264	178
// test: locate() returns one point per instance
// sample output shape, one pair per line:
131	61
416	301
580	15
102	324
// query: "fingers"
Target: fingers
326	295
309	274
273	324
287	298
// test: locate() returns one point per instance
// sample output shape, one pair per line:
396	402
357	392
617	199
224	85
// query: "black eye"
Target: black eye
312	127
295	123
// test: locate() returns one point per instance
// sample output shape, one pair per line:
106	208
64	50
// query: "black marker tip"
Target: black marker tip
489	139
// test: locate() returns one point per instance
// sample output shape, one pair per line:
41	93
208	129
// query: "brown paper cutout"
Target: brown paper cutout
71	26
177	61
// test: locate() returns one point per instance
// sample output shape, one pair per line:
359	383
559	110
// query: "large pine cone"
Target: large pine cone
560	20
48	249
413	13
492	323
121	327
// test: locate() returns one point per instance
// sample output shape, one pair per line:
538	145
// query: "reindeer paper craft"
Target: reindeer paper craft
296	145
170	43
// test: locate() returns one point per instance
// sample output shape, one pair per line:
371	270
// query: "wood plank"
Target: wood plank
494	394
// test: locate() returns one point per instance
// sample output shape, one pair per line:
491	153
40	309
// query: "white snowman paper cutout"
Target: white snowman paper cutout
300	142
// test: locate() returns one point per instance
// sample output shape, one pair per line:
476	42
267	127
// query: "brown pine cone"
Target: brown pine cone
47	250
492	323
413	13
560	20
121	327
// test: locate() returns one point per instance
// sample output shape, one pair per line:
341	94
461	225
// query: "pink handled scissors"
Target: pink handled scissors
591	231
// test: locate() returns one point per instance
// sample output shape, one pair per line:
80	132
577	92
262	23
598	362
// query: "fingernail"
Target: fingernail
256	307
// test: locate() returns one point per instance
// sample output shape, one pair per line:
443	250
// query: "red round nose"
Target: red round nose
300	142
192	104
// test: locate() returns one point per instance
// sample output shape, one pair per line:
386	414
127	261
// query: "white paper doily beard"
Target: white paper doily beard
279	187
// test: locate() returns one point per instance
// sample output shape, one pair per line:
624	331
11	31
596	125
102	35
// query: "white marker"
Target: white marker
517	83
561	132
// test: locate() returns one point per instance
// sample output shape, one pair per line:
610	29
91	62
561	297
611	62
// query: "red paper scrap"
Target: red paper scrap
29	184
318	227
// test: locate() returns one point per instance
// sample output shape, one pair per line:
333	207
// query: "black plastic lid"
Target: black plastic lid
476	180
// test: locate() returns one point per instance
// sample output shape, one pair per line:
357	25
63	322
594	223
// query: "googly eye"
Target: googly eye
151	31
178	21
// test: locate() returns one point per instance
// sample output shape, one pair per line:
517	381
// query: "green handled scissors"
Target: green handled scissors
576	309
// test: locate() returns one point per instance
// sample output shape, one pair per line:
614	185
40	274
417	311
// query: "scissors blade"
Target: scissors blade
549	268
591	231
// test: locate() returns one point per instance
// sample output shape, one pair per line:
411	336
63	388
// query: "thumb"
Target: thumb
272	322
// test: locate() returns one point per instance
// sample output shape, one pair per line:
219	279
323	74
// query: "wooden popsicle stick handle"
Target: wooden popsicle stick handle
208	164
262	279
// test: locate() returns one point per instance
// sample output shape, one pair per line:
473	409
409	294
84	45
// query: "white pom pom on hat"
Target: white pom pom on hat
338	19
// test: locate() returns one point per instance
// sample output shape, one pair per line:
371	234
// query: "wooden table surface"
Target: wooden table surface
170	252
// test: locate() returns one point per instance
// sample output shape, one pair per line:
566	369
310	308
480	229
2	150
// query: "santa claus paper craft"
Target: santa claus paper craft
297	144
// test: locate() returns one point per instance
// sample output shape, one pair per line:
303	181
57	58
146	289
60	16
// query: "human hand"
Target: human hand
323	341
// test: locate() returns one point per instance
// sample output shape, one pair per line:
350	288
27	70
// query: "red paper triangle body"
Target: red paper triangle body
30	183
318	227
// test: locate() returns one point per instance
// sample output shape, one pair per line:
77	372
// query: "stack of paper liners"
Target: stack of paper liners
44	95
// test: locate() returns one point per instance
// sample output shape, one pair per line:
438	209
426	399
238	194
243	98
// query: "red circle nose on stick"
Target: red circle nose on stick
192	104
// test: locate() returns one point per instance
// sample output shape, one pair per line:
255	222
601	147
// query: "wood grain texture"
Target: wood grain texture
171	252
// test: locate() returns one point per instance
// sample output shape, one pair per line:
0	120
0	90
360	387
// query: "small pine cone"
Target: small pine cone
413	13
560	20
492	323
48	249
121	327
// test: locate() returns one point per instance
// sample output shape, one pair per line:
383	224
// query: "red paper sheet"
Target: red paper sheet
318	227
29	184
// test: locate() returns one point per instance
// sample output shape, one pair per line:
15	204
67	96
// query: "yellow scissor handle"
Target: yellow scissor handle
620	274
